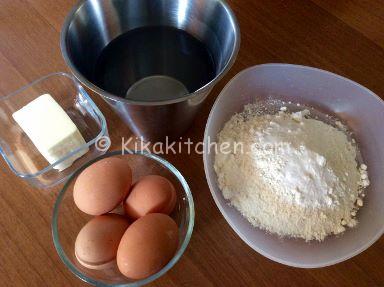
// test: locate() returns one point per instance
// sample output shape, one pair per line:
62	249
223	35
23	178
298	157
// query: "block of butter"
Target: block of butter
51	130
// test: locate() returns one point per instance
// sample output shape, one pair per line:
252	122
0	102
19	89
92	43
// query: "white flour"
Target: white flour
290	175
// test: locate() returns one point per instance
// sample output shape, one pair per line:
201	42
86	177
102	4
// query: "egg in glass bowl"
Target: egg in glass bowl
68	220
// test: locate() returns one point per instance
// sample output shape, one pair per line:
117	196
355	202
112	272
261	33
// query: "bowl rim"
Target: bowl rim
210	180
81	78
80	90
55	233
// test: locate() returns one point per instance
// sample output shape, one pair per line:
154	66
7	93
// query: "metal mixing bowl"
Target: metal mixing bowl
92	25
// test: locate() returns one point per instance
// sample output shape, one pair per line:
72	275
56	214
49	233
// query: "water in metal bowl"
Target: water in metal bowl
154	63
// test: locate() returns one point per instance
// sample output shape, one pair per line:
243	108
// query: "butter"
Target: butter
51	130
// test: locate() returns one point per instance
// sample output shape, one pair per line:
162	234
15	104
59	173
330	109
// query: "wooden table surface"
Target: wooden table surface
346	37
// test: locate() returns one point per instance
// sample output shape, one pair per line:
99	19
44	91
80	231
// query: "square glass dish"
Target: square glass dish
22	156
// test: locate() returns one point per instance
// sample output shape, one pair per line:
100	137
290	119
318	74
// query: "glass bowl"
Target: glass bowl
20	153
68	219
359	108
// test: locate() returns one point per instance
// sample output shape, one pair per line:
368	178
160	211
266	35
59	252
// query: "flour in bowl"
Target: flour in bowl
290	174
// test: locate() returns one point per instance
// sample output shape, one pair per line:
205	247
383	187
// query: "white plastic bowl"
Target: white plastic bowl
358	107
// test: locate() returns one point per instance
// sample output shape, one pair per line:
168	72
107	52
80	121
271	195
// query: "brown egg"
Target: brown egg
102	186
147	246
151	194
97	242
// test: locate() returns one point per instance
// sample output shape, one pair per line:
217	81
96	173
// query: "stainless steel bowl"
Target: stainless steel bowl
92	25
